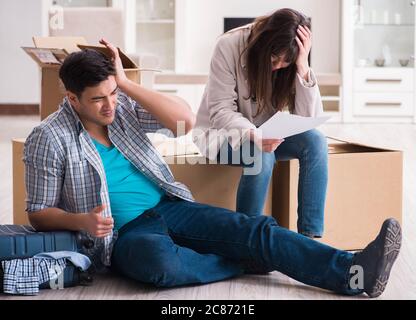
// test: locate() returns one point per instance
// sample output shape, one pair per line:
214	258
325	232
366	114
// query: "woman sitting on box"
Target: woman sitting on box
256	71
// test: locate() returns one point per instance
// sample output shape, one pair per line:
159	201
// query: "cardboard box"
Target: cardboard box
213	184
209	183
19	190
364	189
52	90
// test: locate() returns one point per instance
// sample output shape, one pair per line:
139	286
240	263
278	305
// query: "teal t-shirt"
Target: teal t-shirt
131	193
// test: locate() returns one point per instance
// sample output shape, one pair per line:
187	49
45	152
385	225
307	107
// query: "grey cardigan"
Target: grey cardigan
224	112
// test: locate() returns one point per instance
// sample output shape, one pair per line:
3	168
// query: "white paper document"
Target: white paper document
283	125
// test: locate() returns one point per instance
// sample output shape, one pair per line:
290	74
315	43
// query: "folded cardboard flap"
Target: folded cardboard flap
47	57
125	60
351	148
61	47
50	52
70	44
336	146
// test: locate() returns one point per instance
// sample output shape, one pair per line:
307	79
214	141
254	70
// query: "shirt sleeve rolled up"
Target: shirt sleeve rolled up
43	172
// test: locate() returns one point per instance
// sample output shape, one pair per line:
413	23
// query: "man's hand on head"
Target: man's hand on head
167	110
121	77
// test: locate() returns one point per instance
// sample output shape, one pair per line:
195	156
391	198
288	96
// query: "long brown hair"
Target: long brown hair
273	35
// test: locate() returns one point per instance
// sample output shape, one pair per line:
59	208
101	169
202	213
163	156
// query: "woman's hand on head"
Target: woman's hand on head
304	41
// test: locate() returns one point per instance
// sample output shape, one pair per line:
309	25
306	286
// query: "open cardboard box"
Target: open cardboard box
364	189
213	184
19	190
46	48
209	183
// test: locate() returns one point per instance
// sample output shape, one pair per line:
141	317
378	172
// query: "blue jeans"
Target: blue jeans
182	243
311	149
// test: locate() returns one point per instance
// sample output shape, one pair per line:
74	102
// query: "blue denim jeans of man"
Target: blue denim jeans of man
311	149
181	243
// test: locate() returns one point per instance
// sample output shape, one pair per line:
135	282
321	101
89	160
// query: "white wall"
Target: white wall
202	21
199	22
19	21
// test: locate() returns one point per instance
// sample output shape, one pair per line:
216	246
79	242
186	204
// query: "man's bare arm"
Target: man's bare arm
56	219
167	109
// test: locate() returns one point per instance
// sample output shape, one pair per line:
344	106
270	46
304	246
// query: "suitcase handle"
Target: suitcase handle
87	243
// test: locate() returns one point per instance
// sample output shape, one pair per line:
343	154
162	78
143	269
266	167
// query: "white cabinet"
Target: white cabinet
378	80
150	29
155	30
383	104
378	69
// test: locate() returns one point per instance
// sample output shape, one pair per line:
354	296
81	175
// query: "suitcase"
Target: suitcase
19	242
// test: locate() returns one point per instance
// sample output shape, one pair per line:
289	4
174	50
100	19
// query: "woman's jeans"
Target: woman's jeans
181	243
311	149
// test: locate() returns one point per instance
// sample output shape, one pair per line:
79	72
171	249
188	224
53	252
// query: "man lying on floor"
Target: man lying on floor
91	168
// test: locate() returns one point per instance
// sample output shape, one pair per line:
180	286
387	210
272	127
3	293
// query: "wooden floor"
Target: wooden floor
402	283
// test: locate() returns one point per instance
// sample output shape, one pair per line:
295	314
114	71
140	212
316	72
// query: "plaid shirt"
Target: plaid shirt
63	169
24	276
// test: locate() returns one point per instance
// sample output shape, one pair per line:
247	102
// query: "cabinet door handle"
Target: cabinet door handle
384	80
383	104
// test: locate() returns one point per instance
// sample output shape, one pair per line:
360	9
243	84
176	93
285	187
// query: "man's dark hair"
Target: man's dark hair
86	68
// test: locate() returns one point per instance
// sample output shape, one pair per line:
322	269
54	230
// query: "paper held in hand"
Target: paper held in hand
283	125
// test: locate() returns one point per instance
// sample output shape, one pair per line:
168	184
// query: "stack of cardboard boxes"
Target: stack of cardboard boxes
365	183
365	188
